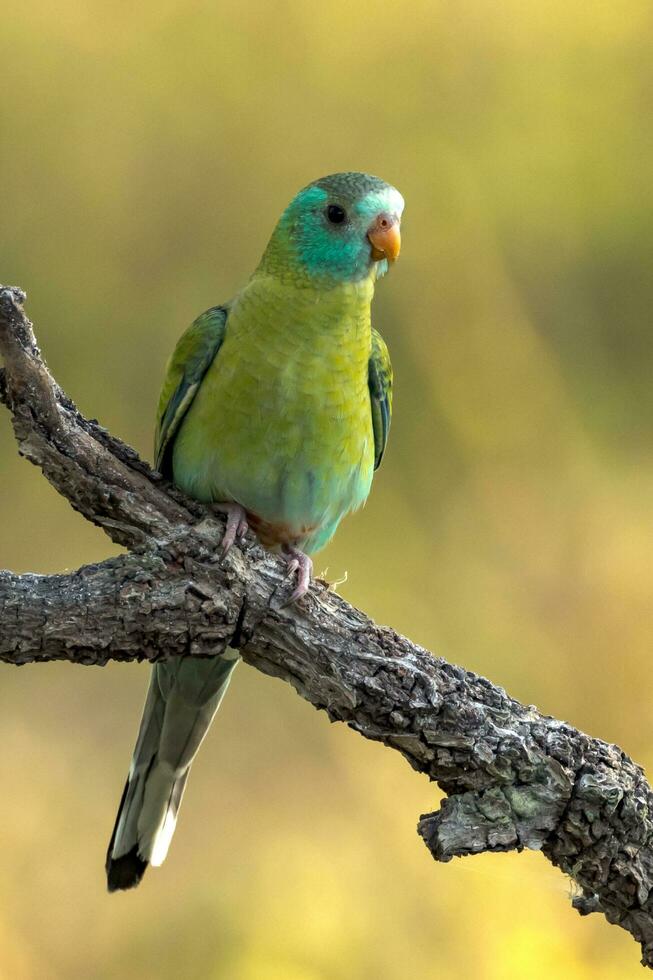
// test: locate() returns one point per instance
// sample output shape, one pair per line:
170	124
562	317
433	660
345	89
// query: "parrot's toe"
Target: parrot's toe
237	525
301	564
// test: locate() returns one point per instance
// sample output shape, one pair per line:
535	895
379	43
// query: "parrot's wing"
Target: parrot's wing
380	382
186	368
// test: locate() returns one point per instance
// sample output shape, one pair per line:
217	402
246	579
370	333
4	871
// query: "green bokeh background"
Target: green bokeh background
145	153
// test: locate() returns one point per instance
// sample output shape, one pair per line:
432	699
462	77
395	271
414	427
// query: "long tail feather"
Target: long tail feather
182	700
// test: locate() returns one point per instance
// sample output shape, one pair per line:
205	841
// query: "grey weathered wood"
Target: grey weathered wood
514	778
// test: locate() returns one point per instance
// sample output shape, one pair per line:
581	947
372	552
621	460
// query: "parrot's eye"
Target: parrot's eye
336	214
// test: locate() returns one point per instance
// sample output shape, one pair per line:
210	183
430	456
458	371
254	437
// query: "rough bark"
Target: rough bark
514	778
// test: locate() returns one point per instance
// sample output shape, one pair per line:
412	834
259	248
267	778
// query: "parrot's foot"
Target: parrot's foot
302	564
237	525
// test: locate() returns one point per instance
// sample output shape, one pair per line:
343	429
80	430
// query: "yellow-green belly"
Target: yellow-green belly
282	423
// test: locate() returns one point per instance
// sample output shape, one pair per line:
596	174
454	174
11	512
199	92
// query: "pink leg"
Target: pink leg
236	524
302	564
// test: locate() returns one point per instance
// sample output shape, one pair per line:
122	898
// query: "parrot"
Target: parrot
275	410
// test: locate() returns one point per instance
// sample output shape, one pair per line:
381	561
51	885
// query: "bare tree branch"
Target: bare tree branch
514	778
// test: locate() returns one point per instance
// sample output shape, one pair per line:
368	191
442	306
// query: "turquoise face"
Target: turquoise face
325	226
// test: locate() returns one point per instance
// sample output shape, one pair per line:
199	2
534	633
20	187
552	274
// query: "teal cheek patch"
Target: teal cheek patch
326	253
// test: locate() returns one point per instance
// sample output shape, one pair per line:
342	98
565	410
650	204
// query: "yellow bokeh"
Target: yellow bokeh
146	151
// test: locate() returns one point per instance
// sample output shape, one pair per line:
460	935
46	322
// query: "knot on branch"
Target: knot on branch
502	818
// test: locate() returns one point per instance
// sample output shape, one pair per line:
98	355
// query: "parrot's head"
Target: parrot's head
341	228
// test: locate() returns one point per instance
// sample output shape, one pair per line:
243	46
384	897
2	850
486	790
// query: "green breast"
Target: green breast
282	421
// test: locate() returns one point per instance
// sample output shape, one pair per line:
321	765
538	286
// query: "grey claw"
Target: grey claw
302	565
236	528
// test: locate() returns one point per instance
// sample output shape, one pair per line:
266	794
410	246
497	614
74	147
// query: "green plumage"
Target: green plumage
279	401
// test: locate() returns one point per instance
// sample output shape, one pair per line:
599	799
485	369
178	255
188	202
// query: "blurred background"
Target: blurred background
146	152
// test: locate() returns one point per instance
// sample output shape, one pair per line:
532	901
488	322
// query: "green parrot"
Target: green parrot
275	409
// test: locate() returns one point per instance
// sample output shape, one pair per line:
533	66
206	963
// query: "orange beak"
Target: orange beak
385	237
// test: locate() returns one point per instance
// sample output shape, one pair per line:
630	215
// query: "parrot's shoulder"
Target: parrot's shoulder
189	362
380	384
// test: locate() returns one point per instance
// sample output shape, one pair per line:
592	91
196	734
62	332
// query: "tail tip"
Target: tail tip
125	871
